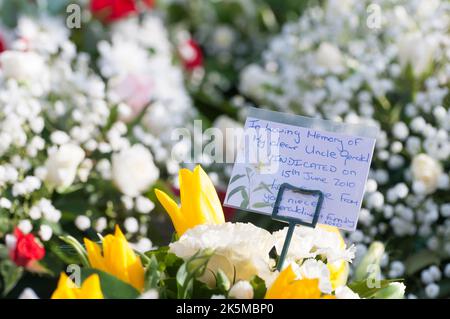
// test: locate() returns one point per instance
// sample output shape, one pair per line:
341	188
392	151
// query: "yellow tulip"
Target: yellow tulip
118	259
339	269
287	286
199	201
90	289
338	273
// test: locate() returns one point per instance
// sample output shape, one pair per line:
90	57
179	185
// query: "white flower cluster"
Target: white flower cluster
141	78
389	68
68	137
241	250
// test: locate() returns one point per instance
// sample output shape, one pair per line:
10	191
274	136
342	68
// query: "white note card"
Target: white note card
310	154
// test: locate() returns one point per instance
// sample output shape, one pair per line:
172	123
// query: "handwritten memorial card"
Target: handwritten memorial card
311	154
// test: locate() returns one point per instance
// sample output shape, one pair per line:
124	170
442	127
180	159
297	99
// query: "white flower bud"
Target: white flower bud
45	232
241	290
82	222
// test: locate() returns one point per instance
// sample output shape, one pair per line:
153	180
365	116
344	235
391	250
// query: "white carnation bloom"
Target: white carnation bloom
344	292
241	250
427	171
417	51
312	268
62	165
310	242
133	170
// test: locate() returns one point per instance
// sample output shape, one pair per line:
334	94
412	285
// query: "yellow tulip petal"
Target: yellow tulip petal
117	259
90	289
338	273
284	278
209	195
118	233
201	212
287	286
94	254
115	256
63	290
173	210
190	191
136	273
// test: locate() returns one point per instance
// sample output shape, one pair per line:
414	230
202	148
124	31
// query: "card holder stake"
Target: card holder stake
292	221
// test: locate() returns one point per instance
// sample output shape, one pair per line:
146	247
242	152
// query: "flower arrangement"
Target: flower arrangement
384	64
211	258
89	102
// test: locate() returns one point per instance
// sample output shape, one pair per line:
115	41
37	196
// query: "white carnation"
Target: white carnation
238	247
344	292
312	242
133	170
62	165
426	171
312	269
416	50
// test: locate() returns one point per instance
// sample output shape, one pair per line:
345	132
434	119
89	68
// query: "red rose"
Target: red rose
26	249
112	10
191	54
2	44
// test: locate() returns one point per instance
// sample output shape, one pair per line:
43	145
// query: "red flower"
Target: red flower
2	44
112	10
26	249
191	54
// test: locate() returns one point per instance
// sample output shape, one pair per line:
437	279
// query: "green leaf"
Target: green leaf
259	287
112	287
78	247
3	252
364	291
263	186
167	261
235	190
244	204
261	205
10	275
152	274
193	268
236	177
201	290
222	281
420	260
245	199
